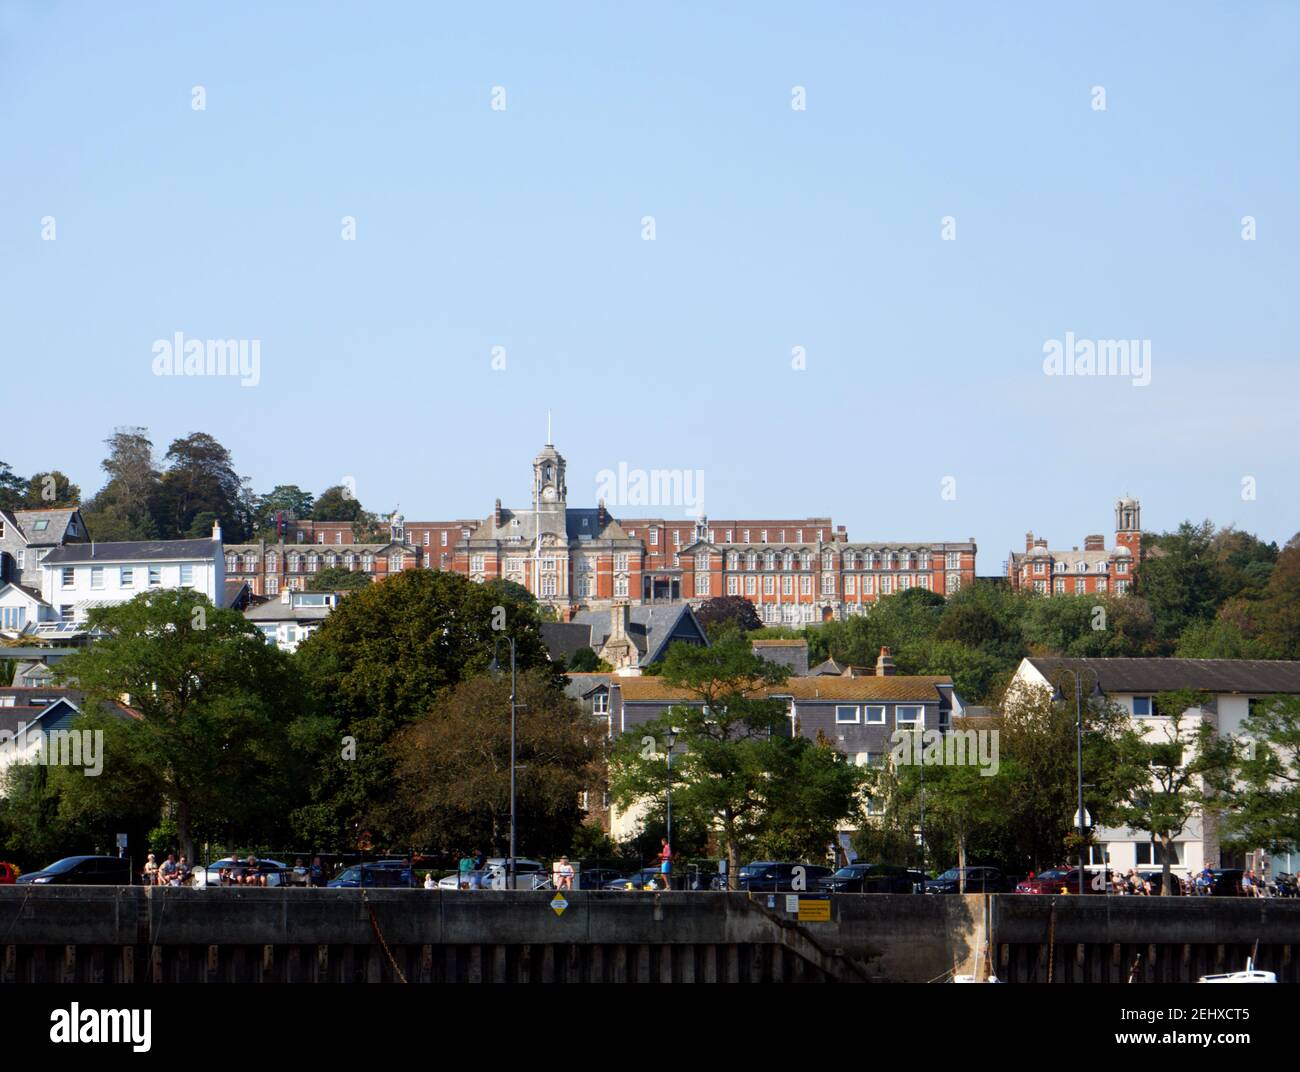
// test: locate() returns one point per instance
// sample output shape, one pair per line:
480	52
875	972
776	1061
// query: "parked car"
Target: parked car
638	880
529	875
8	874
770	876
1227	882
1060	879
202	877
868	878
1157	878
82	871
978	880
380	874
596	878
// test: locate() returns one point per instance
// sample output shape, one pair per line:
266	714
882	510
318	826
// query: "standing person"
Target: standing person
564	874
476	873
150	870
666	863
316	873
463	869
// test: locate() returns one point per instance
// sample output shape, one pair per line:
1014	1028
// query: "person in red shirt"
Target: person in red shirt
666	863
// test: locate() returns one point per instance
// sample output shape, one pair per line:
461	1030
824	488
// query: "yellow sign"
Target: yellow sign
814	911
559	904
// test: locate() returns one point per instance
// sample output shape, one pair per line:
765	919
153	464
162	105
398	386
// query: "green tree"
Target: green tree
336	503
46	490
1178	771
217	734
736	768
288	499
200	479
1038	742
1181	579
1273	622
125	508
381	660
1219	639
1264	792
337	579
727	611
452	768
13	488
586	661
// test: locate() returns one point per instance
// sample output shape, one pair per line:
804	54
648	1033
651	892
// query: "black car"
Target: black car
978	880
382	874
596	878
868	878
770	876
1227	882
1156	879
82	871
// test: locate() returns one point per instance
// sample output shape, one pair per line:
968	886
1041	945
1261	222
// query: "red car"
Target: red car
8	874
1062	880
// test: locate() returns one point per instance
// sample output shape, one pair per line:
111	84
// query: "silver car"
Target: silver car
529	875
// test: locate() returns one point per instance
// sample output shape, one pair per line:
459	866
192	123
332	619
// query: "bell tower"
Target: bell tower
1128	526
549	489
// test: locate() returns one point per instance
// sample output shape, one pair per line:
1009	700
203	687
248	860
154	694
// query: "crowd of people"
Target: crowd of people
232	871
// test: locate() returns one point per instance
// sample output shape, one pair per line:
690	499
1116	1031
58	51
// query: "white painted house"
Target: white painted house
75	578
1233	688
292	617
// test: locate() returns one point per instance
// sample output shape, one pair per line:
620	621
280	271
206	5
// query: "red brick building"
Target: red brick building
795	570
1093	569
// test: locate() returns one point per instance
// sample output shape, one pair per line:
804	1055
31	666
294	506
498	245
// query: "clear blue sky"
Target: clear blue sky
775	228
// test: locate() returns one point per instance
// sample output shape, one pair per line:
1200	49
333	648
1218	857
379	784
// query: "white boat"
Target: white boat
1250	975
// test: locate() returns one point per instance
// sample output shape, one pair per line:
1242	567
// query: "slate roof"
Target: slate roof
649	626
579	524
56	518
30	593
1163	675
275	610
579	685
564	639
31	701
133	551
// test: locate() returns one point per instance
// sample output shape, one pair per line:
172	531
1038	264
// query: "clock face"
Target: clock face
548	494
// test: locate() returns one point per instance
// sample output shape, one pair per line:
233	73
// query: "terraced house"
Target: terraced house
857	714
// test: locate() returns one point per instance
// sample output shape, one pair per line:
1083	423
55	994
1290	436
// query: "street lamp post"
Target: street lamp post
1080	816
514	707
670	738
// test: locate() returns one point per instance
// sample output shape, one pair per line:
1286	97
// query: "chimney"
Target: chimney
1029	541
216	532
602	518
1041	542
1094	543
884	664
620	613
496	515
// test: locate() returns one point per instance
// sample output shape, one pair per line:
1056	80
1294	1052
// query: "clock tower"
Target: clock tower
549	490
